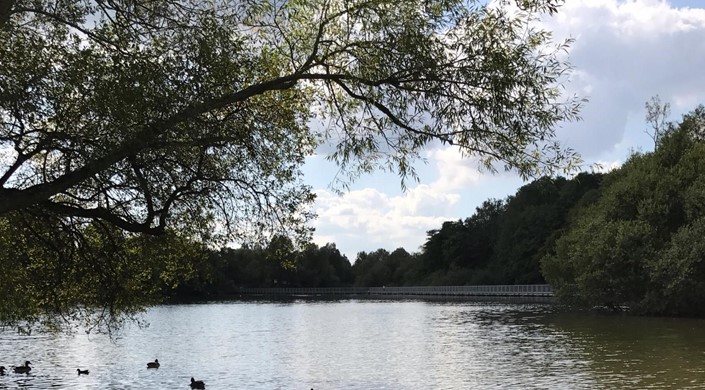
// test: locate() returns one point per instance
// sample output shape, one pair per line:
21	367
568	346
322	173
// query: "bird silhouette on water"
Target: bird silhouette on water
82	372
197	384
23	369
154	364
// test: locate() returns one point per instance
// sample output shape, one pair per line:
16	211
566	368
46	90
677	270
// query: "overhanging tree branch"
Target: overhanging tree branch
104	214
427	59
13	199
5	12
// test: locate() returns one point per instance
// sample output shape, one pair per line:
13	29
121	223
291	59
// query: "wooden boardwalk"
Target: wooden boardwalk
524	290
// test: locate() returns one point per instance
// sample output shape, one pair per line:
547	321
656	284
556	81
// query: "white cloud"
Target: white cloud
624	53
454	170
606	166
367	219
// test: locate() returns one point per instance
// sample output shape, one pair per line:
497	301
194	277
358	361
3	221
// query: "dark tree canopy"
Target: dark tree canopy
639	244
195	117
504	240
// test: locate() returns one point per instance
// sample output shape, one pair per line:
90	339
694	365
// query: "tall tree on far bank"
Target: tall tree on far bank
657	117
532	217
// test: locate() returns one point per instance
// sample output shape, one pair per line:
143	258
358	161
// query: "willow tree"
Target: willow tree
150	116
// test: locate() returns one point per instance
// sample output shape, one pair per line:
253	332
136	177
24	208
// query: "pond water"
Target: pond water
359	344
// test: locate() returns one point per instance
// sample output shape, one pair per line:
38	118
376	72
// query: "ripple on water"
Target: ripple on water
369	345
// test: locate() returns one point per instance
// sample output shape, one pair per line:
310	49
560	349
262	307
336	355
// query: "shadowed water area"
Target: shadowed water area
357	344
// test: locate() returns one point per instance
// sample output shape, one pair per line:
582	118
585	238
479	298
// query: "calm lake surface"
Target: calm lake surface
359	344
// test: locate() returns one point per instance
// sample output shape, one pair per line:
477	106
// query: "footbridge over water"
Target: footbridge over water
524	290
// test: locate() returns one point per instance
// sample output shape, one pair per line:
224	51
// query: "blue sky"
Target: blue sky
624	53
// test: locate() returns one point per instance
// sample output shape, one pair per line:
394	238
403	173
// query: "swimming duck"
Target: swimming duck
2	370
154	364
23	369
82	372
197	384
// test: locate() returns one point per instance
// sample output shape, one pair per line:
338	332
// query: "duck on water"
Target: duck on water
197	384
23	369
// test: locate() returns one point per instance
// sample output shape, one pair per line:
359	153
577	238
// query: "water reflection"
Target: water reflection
639	353
369	345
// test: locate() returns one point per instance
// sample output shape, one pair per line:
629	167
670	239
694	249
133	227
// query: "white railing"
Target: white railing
522	290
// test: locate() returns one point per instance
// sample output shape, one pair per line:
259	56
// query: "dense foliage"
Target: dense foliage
639	246
225	271
97	276
191	120
504	240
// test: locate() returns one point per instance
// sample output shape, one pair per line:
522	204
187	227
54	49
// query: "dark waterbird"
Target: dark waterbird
2	370
23	369
82	372
197	384
154	364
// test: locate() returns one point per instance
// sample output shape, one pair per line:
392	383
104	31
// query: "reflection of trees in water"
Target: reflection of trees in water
516	348
636	352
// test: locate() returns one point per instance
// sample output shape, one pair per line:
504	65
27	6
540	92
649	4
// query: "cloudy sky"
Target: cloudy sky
624	53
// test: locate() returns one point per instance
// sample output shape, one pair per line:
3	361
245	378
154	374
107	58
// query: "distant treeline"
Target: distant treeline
632	238
500	244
